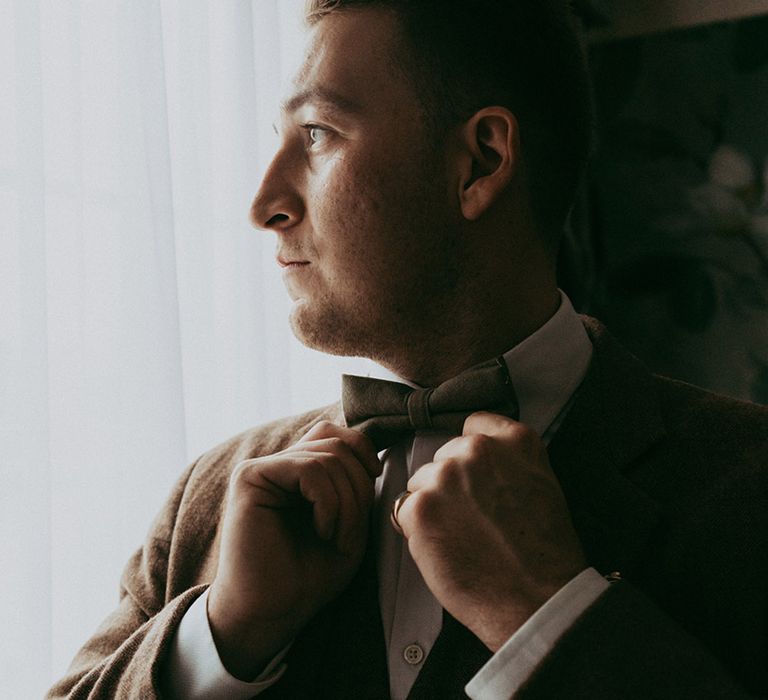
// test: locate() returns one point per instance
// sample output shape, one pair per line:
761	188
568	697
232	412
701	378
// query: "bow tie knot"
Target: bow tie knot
418	409
389	411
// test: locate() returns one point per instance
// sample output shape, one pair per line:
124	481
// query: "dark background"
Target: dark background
669	241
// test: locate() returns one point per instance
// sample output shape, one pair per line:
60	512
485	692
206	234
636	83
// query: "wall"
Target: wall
637	17
679	202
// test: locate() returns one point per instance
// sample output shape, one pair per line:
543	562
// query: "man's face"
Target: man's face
358	197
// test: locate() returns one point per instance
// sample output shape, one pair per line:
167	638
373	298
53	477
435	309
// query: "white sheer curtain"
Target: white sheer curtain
142	320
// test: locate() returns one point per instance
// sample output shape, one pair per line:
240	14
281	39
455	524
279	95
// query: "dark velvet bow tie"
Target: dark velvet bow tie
388	411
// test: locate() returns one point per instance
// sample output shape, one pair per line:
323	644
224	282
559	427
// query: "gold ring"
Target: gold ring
396	506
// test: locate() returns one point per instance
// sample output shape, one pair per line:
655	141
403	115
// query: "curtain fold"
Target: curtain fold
142	319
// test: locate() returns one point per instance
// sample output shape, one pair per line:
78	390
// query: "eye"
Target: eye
316	134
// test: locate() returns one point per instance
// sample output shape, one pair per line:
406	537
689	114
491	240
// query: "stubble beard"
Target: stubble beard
405	315
380	329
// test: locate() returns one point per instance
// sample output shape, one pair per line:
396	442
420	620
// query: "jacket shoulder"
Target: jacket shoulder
195	511
715	425
213	469
633	400
264	439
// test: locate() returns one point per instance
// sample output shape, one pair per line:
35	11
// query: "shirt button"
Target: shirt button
413	654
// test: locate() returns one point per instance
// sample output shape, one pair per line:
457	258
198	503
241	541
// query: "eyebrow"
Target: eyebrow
323	96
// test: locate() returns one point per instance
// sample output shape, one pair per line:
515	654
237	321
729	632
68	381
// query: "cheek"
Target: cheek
348	212
370	216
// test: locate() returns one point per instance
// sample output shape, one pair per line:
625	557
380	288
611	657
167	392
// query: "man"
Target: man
429	152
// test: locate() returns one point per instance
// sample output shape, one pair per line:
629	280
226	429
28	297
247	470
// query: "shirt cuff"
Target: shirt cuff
194	670
512	665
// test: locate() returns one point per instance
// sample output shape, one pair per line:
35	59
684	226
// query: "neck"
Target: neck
507	291
472	334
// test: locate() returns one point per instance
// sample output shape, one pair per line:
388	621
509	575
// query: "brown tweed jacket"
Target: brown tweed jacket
666	483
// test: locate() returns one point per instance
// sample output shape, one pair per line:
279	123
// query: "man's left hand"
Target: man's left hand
489	528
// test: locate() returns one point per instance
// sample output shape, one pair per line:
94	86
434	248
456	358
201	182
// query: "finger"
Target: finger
488	436
353	486
359	443
481	445
406	514
492	424
452	448
318	486
277	483
359	478
425	478
348	482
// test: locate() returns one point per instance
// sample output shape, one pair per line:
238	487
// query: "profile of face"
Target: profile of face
357	195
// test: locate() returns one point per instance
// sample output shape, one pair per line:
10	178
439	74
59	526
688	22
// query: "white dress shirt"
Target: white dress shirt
546	369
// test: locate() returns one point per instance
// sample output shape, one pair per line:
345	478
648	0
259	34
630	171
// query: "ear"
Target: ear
489	157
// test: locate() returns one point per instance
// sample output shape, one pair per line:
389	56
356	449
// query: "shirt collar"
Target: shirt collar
547	367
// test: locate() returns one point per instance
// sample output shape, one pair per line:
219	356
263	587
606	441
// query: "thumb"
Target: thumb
491	424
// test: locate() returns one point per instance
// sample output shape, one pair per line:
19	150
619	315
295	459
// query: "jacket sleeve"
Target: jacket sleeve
625	646
123	658
692	621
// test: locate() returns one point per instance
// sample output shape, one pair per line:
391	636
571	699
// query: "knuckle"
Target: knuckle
327	462
323	427
424	505
528	441
448	472
478	446
521	432
316	464
359	442
336	444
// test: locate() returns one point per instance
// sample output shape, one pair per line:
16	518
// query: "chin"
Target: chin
328	331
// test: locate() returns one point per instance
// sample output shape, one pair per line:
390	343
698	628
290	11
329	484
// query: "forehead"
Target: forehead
350	60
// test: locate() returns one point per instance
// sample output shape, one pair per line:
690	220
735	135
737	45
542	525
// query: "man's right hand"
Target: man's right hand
294	534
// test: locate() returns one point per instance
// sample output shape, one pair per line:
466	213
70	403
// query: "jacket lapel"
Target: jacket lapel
604	458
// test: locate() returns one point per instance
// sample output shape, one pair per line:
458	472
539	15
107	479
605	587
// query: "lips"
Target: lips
288	263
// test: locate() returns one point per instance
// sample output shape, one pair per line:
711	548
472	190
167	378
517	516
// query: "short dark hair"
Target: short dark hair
525	55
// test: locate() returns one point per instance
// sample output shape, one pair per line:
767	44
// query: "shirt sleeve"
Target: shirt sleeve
511	666
194	670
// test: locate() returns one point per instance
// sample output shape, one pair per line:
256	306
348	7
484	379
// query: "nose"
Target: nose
278	204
